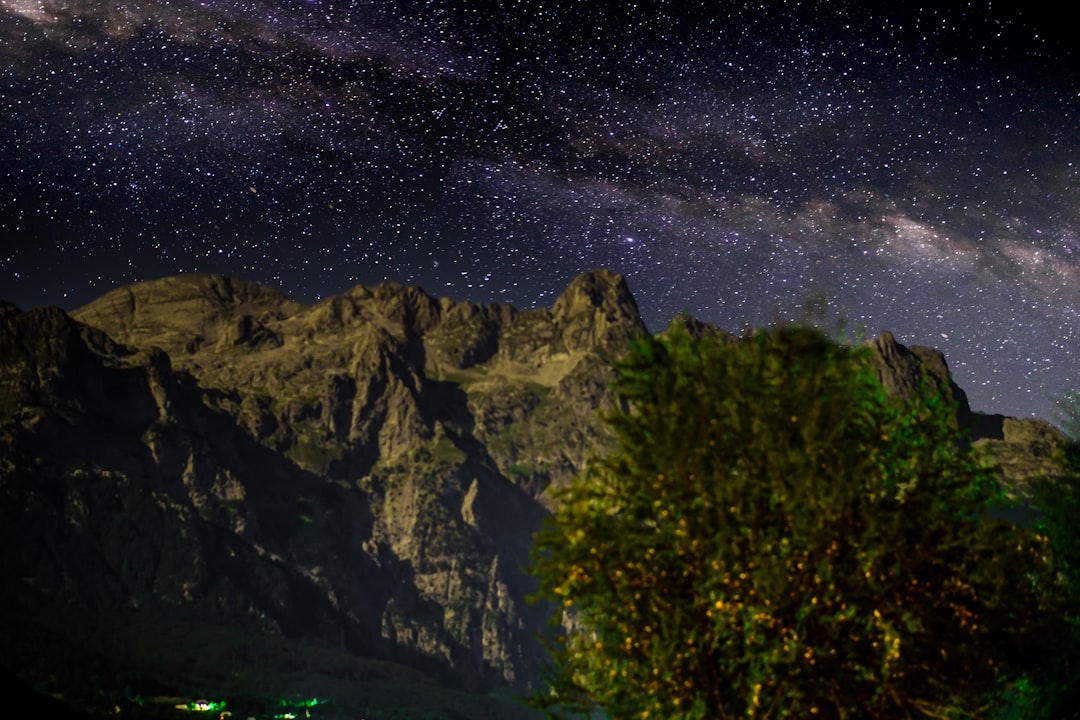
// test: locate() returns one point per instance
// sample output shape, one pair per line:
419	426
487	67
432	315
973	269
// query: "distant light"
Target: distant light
206	706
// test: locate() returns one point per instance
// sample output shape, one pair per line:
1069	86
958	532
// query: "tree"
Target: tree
1053	691
776	537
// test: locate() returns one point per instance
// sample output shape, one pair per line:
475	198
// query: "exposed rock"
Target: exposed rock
1022	449
469	334
699	329
1035	433
246	331
903	370
181	314
468	505
596	309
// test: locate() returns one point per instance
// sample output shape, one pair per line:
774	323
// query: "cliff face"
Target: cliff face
1021	449
366	472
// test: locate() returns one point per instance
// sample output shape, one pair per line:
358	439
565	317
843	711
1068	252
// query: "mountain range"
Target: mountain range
207	489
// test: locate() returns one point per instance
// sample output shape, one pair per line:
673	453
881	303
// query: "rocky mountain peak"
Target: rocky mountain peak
183	313
596	308
597	291
408	306
902	370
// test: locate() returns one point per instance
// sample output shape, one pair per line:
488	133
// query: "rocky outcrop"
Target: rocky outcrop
182	314
1022	449
903	370
596	310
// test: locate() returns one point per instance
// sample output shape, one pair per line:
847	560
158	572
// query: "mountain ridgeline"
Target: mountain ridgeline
204	484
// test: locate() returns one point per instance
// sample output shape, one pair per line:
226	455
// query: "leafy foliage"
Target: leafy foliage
776	537
1053	693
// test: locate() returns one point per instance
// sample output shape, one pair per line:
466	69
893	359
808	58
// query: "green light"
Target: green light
300	703
206	706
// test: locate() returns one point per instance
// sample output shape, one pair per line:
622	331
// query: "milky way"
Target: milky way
917	168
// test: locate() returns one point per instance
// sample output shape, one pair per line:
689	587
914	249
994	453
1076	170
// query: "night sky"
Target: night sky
916	165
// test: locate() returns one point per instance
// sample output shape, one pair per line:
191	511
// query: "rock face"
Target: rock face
903	370
1021	449
366	472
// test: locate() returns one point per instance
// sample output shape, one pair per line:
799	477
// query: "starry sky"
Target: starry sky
914	165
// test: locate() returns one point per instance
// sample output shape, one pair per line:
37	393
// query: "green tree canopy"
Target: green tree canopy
1053	693
776	537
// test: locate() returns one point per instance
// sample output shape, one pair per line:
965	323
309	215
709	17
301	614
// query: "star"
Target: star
914	165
